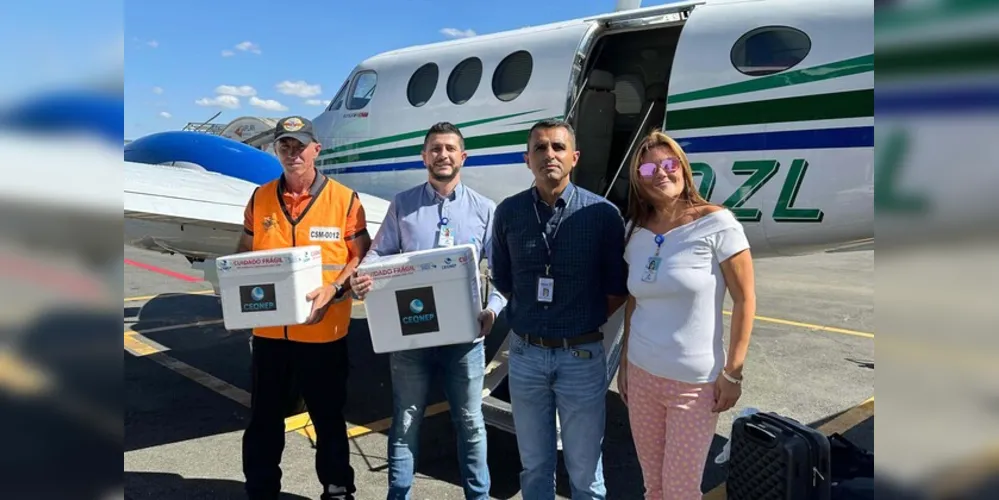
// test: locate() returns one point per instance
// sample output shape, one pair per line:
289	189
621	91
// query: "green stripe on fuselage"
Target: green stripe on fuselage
511	138
831	106
837	69
416	133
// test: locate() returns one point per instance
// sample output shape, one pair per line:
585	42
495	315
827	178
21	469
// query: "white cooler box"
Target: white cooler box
268	287
423	299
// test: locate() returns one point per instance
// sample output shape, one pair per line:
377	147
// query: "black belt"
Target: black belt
585	338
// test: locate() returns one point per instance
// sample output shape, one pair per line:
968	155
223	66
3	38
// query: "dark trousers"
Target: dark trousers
320	372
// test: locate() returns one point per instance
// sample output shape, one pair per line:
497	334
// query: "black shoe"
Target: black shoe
334	492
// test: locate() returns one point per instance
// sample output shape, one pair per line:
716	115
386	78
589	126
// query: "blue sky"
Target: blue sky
294	55
57	44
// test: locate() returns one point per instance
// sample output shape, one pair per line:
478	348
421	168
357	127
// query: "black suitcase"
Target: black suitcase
774	457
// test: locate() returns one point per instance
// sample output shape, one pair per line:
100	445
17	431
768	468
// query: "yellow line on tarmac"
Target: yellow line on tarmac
810	326
140	346
841	423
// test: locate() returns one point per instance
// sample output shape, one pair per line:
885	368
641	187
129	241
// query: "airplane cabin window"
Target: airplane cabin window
363	89
770	49
464	80
422	84
512	75
338	98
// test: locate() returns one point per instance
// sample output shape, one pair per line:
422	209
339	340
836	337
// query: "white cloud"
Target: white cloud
157	90
222	101
228	53
153	43
316	102
165	114
248	47
241	91
268	104
457	33
299	88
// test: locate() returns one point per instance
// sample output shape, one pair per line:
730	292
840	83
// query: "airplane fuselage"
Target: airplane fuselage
772	101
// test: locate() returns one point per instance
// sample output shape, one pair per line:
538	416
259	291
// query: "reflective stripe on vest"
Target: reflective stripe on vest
322	223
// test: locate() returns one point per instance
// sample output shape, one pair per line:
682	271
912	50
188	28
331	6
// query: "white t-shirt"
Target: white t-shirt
676	328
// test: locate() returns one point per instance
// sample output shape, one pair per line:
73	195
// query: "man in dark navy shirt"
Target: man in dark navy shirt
558	257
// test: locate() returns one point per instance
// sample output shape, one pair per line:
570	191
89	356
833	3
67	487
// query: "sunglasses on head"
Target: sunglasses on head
669	165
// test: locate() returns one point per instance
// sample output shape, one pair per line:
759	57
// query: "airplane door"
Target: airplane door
770	98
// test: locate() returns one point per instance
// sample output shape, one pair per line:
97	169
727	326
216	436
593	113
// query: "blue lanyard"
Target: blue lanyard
659	243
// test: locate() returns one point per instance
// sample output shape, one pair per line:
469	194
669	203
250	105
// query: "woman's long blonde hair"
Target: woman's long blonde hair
641	209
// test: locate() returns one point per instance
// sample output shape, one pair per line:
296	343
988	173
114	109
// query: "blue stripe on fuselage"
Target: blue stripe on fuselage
836	138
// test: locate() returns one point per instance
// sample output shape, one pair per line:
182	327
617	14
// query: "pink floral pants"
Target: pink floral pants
672	426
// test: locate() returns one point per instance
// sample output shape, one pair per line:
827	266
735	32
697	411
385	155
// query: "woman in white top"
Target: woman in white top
683	253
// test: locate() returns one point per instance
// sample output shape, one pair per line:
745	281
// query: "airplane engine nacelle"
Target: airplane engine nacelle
214	153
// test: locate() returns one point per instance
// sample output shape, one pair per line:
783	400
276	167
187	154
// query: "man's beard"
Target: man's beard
444	178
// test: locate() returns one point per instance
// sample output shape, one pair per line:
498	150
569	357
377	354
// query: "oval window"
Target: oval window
512	75
769	50
464	80
422	84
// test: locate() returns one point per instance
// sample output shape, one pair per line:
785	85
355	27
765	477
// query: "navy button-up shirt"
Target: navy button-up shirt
587	261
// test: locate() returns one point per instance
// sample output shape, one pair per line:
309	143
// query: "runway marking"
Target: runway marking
165	272
140	346
177	294
810	326
841	423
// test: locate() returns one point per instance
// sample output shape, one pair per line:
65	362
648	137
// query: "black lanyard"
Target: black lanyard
544	234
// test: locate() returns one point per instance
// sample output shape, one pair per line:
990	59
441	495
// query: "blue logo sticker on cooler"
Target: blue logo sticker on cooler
417	310
257	298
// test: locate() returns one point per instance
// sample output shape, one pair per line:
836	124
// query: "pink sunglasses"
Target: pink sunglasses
669	165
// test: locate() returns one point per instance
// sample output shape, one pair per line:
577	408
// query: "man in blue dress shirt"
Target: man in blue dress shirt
558	257
438	213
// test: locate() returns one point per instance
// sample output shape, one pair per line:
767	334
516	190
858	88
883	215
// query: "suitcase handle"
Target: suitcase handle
760	434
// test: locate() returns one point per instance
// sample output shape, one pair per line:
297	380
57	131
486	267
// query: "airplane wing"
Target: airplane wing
194	212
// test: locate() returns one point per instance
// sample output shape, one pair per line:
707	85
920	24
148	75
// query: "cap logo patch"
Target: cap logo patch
293	124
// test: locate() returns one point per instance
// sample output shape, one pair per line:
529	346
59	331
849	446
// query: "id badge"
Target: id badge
446	237
651	269
546	289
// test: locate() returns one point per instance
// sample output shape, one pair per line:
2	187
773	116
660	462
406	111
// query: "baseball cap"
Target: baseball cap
296	127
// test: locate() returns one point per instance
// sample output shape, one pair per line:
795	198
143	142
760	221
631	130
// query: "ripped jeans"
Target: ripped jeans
462	368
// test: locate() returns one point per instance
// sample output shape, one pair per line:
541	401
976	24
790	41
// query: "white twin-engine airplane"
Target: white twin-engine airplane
772	99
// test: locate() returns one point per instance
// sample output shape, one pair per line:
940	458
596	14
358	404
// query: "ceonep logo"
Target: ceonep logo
259	306
257	300
418	318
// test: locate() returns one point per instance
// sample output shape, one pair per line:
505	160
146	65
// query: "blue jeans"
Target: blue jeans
541	381
463	367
